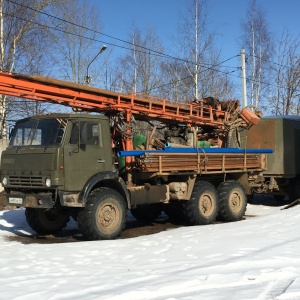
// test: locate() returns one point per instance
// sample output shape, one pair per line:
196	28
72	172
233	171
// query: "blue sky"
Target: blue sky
224	18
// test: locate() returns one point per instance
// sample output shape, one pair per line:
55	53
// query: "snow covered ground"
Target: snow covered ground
257	258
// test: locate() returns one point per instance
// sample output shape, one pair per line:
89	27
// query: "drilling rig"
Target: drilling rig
120	152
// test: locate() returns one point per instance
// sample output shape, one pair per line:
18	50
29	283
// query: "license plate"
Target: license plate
14	200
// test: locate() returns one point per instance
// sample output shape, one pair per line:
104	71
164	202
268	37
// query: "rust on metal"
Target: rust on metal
200	163
82	97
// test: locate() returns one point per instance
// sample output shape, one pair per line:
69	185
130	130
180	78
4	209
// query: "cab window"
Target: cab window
87	132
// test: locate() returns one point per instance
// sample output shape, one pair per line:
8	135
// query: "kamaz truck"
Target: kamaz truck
122	152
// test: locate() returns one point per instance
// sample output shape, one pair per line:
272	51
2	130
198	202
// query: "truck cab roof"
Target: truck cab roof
66	116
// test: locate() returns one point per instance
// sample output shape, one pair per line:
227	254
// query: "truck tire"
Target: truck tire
233	201
203	207
104	215
146	213
45	221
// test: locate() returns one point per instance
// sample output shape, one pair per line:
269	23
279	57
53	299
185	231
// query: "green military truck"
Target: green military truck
59	166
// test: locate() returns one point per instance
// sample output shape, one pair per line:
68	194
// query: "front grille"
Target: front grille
26	181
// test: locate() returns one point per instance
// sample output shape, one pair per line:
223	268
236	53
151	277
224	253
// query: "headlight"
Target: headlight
48	182
4	181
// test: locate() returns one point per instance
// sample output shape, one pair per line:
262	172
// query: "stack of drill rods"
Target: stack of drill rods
204	163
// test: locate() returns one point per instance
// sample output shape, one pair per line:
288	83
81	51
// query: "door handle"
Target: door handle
101	160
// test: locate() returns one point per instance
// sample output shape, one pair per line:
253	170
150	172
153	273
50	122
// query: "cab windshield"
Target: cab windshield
43	132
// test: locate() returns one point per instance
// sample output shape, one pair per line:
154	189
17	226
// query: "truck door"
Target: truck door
86	154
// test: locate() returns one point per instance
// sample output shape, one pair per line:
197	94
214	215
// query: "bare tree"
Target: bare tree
258	43
199	74
195	42
141	68
176	81
76	41
285	97
23	44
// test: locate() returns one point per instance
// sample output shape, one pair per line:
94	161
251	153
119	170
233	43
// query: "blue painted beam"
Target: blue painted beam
167	150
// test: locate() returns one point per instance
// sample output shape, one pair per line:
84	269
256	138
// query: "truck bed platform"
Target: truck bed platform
198	160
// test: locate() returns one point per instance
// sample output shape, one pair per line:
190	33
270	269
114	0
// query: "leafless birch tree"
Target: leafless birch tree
201	60
76	42
141	68
285	99
258	43
23	45
195	42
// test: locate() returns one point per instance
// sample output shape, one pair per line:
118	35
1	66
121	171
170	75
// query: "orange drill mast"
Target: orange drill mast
207	112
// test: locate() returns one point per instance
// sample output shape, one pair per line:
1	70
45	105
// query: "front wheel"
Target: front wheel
46	221
233	201
104	215
203	206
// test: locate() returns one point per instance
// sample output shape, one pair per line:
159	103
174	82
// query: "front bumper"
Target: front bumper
42	200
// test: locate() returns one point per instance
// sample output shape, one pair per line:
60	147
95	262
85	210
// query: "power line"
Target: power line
267	60
182	79
100	41
267	83
202	71
270	84
67	32
88	29
148	50
152	52
96	40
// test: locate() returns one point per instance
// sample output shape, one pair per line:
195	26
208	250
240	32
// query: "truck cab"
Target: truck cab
55	154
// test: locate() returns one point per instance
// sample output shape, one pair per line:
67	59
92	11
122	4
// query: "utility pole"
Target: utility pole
196	51
243	68
134	60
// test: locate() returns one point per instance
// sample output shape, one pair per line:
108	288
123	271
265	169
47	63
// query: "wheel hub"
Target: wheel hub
107	216
206	204
235	201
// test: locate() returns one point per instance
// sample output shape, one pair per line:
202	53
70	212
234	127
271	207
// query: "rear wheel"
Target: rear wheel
104	215
233	201
46	221
203	206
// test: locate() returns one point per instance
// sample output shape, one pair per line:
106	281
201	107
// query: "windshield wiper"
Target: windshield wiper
19	147
48	143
